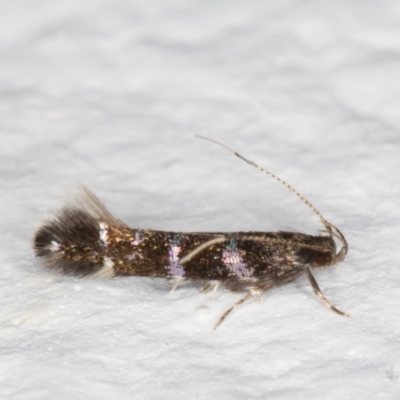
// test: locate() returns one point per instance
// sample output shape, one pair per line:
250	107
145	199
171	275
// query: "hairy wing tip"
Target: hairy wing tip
69	243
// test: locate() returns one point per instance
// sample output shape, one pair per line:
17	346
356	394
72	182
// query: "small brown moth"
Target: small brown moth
86	239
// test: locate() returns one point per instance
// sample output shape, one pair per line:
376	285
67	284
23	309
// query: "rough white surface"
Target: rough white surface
110	93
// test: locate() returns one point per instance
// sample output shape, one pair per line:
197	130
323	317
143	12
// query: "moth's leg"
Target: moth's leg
238	303
318	292
257	292
216	286
210	285
206	287
175	285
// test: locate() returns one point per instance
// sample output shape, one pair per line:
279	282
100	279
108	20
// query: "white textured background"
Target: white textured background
109	93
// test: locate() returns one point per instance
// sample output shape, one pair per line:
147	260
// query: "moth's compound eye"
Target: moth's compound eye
323	259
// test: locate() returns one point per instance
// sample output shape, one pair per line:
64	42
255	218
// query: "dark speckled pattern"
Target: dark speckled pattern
85	237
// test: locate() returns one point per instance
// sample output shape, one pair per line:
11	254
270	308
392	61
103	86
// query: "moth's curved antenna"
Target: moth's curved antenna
328	226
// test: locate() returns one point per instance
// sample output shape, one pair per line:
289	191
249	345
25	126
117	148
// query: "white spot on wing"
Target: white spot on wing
103	233
54	246
107	270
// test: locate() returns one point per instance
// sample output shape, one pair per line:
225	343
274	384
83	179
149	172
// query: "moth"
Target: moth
84	238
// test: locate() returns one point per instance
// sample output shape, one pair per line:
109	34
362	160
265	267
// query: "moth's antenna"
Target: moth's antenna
327	224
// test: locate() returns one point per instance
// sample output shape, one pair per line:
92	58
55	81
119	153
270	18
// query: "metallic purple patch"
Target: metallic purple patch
175	270
233	261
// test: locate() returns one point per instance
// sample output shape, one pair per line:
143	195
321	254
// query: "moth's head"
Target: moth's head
327	255
324	253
